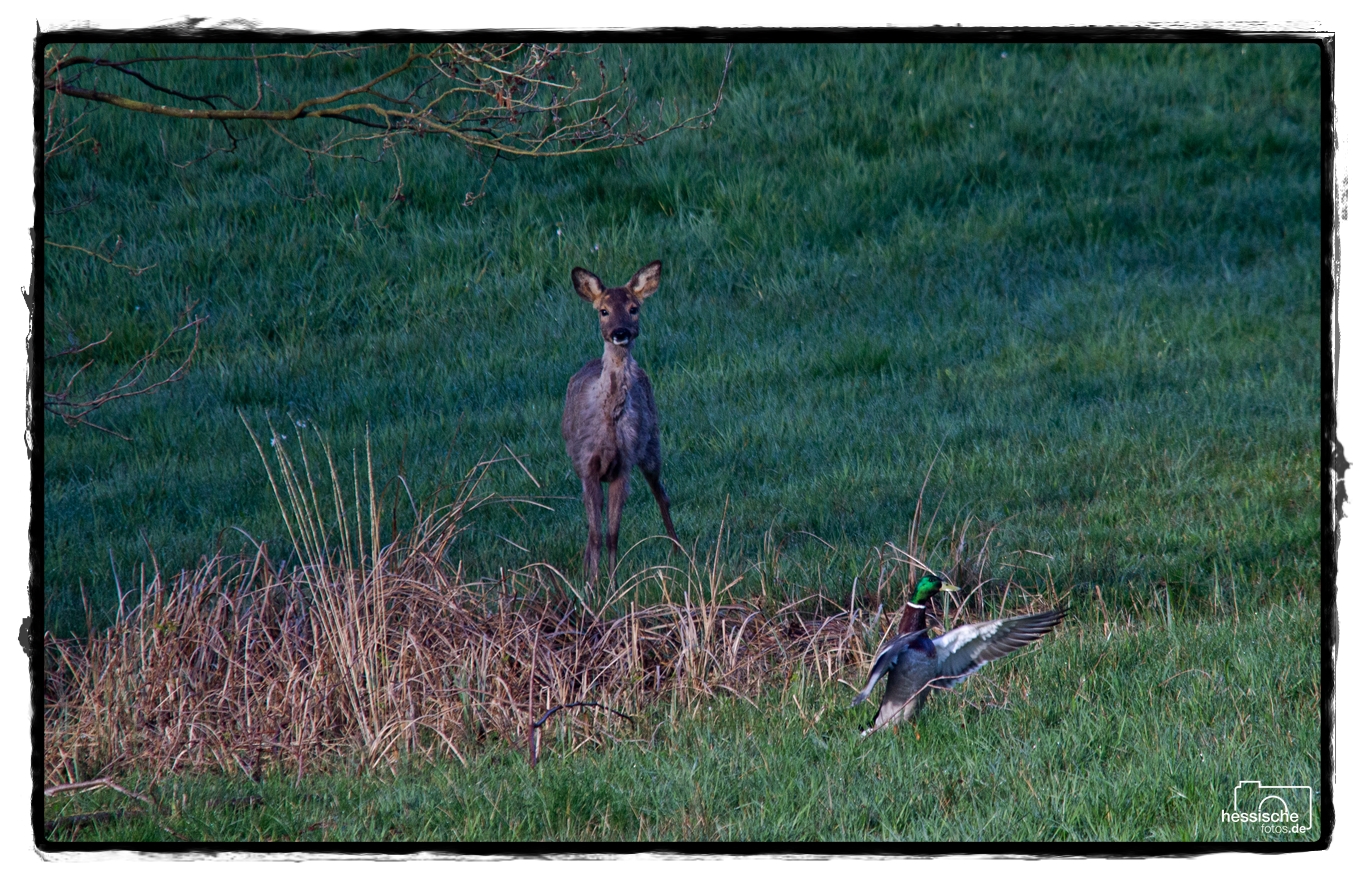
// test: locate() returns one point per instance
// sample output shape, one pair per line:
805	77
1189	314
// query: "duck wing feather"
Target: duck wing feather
964	650
885	661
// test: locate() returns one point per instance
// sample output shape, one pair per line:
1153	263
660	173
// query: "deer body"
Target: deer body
611	424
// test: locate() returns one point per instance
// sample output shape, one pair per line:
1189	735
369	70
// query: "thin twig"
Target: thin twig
533	736
77	412
131	269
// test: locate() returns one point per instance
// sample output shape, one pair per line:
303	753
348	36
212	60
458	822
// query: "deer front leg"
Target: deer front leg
656	484
616	502
592	504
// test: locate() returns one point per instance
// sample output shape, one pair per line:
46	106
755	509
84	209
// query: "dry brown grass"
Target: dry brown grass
381	650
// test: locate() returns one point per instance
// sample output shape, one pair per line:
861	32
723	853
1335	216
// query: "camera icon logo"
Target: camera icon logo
1279	804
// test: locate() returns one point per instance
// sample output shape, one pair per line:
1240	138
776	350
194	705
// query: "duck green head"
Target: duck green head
930	585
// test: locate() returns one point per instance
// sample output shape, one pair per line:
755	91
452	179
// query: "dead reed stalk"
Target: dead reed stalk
368	650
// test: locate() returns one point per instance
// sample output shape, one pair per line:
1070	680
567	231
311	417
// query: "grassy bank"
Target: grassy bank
1062	300
1085	276
1135	731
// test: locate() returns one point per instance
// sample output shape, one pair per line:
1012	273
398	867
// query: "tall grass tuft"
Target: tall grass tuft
375	651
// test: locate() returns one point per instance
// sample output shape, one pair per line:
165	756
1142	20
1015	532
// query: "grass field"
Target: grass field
1081	282
1139	736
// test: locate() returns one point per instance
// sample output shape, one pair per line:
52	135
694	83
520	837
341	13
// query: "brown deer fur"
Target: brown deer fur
610	421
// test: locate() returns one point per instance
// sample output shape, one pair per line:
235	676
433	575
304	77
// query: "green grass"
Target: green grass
1139	736
1073	291
1089	273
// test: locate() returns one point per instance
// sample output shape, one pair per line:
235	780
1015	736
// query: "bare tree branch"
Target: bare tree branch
74	412
60	131
511	100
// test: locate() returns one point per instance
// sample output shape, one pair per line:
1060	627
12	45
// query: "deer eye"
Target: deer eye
634	309
603	312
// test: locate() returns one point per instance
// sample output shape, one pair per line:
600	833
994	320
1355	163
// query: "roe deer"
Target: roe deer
610	422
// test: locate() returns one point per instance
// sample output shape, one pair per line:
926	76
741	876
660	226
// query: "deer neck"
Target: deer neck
615	356
616	377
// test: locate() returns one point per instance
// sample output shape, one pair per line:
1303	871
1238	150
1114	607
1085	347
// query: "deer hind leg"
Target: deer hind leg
616	503
656	484
592	504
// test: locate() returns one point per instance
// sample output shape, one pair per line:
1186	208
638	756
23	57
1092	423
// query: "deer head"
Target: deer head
618	308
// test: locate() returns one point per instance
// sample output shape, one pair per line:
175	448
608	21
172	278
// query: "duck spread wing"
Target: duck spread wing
964	650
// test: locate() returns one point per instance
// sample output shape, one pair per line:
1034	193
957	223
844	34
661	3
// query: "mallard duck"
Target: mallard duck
914	663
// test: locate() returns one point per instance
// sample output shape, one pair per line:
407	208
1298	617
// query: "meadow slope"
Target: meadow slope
1067	296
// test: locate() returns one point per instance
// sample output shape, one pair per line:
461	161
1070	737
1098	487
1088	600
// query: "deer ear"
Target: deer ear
646	280
587	284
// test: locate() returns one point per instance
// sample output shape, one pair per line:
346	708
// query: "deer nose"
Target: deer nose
620	335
